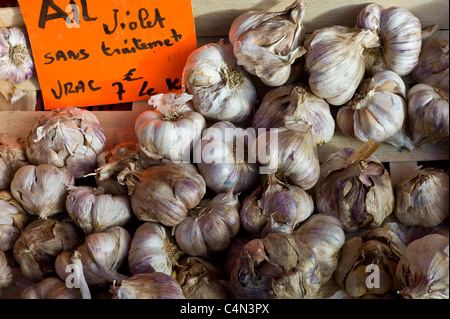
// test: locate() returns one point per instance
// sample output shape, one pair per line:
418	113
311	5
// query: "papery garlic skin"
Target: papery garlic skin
12	157
324	234
422	198
50	288
275	206
221	90
39	244
224	158
42	190
378	111
155	285
209	227
335	61
93	210
267	44
428	114
13	219
16	61
423	269
432	68
70	138
153	249
6	275
172	128
300	102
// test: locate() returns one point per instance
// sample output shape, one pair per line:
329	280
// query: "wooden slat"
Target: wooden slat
400	170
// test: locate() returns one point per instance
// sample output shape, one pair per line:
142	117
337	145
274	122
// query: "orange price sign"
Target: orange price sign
91	52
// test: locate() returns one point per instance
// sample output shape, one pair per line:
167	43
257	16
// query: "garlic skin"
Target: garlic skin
200	279
225	161
42	190
6	275
400	34
234	250
12	157
324	234
422	198
277	266
164	193
267	44
221	90
102	254
153	249
93	210
70	138
172	127
275	206
432	68
423	269
300	102
428	116
40	243
50	288
16	61
13	219
378	111
155	285
335	61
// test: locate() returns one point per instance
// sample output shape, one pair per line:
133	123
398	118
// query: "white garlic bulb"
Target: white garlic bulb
378	111
172	127
6	275
42	189
428	114
16	61
335	61
209	227
221	90
267	44
93	210
422	198
13	219
400	34
153	249
298	101
12	157
224	159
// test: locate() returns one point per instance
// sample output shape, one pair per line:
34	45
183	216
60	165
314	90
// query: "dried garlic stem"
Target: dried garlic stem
363	152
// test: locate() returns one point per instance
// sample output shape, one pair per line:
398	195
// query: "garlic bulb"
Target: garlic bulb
93	210
50	288
422	198
432	68
367	264
298	101
102	254
356	188
153	249
335	61
275	206
172	127
16	61
289	152
6	275
325	236
164	193
155	285
70	138
39	244
267	44
221	90
400	34
234	250
200	279
378	111
225	161
209	227
12	157
277	266
13	219
423	268
428	114
42	189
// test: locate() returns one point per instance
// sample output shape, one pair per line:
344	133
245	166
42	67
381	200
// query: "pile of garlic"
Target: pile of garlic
224	195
